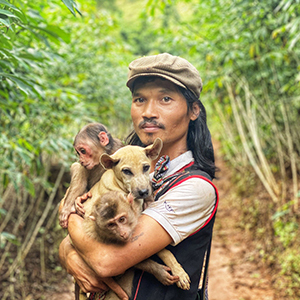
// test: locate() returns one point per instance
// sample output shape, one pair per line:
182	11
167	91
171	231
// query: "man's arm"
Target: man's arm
110	260
75	265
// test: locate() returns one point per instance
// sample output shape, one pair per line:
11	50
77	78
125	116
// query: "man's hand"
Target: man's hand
86	278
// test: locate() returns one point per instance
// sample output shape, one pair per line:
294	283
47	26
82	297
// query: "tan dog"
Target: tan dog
127	171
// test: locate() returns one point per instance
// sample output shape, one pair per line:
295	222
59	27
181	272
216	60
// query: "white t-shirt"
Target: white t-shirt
185	208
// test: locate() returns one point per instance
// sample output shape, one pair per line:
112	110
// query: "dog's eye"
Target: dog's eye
127	172
146	168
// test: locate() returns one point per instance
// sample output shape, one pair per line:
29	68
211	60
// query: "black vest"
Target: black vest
190	253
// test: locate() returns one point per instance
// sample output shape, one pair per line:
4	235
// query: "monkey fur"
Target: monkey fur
90	143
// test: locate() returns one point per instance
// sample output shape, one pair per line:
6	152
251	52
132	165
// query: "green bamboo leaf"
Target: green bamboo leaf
3	211
57	33
7	4
8	13
6	22
23	85
29	186
71	5
5	42
7	235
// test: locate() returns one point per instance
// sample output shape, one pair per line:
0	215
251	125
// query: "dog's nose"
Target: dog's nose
144	193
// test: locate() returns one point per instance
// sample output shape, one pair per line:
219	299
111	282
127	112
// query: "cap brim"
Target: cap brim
134	77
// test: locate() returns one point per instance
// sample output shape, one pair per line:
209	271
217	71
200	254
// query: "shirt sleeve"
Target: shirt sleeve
184	209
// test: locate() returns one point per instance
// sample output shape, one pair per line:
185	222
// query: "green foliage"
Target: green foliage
46	95
5	236
285	227
72	6
64	63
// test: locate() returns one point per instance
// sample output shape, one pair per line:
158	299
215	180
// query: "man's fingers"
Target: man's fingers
87	286
113	285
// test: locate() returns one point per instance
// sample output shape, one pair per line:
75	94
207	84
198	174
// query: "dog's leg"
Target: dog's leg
169	259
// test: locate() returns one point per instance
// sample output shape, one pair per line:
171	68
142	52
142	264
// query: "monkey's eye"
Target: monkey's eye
122	220
146	168
127	172
82	151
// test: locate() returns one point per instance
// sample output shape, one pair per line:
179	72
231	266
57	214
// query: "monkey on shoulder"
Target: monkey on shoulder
90	143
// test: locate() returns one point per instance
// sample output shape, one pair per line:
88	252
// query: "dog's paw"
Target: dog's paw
184	279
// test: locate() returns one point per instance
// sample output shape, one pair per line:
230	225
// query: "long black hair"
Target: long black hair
198	138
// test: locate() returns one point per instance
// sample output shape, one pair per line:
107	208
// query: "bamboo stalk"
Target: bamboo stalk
22	254
289	143
251	123
9	190
247	147
292	156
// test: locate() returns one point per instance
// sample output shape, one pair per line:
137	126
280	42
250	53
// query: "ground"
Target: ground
232	273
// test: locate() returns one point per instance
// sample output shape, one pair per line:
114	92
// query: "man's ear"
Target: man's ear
195	112
104	140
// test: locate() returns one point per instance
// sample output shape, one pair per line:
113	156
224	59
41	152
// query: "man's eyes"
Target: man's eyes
166	99
139	100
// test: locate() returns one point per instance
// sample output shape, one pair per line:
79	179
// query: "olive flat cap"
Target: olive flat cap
173	68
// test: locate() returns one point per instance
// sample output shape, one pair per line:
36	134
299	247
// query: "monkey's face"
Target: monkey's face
115	217
88	153
120	227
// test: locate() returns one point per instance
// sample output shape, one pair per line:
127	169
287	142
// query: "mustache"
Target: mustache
148	121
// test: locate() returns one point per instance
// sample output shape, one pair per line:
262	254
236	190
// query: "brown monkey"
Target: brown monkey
112	221
113	218
90	143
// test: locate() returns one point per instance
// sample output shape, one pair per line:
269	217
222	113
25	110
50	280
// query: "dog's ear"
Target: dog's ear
108	162
153	150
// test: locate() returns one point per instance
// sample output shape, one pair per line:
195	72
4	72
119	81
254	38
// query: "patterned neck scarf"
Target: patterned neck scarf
160	170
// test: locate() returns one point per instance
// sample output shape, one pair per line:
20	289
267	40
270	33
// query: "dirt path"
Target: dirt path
232	275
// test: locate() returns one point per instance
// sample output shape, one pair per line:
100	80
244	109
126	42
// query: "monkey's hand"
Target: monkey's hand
64	215
66	208
163	275
169	259
161	272
79	208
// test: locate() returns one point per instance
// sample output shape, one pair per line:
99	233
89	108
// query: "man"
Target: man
165	104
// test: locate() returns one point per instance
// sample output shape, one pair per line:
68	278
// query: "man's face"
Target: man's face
159	110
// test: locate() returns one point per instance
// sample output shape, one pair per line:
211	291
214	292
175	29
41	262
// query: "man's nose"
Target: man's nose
150	110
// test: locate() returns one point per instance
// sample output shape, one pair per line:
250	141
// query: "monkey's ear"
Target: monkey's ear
107	161
104	140
153	150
